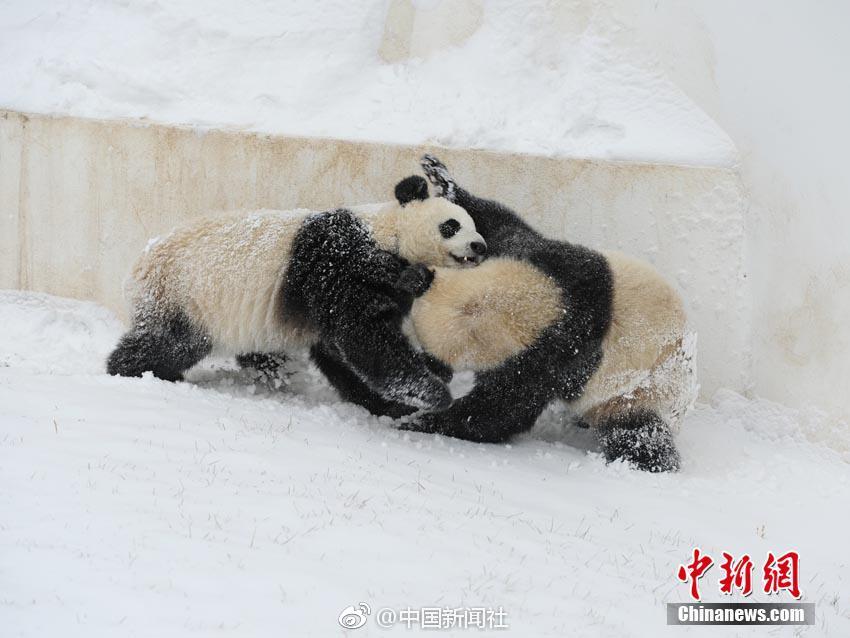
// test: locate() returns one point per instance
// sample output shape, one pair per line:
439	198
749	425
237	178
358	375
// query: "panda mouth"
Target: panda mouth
467	262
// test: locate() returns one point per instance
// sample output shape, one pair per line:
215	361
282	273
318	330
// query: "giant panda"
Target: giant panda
543	320
268	281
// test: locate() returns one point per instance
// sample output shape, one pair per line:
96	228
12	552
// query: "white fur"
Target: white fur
224	273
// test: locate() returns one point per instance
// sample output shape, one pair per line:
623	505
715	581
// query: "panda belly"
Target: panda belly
648	360
476	318
225	275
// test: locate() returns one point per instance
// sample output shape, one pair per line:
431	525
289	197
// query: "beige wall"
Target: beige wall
79	199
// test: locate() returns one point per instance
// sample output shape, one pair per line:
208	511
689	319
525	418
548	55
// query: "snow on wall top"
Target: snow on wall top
530	78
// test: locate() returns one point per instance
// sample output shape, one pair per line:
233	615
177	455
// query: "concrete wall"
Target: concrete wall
79	199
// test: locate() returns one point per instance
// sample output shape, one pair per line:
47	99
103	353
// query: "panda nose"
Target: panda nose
478	247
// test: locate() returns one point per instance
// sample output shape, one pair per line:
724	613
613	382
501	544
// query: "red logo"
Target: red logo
782	573
779	574
695	570
738	575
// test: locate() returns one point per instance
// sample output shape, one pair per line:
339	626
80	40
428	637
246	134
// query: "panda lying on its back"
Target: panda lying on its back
339	281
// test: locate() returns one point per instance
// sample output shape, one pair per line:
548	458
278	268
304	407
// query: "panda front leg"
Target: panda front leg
382	357
438	174
508	399
371	346
167	347
350	387
505	401
641	438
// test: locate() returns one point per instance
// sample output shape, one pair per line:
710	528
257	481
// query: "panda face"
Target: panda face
434	231
439	233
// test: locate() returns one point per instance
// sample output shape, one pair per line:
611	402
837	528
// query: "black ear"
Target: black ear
410	188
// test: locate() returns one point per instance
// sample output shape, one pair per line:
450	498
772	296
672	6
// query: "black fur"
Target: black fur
410	188
415	280
350	387
356	295
443	371
449	228
268	366
266	363
508	399
167	347
641	438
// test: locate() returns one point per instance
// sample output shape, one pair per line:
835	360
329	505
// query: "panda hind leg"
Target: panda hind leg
165	347
639	437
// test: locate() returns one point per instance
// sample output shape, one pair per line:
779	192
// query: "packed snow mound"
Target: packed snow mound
54	335
226	506
536	77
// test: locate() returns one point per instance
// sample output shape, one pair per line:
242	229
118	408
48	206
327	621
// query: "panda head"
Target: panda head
433	230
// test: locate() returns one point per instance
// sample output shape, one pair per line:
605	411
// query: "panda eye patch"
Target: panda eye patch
449	228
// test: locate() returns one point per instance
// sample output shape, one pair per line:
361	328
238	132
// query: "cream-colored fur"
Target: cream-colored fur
648	356
476	319
225	272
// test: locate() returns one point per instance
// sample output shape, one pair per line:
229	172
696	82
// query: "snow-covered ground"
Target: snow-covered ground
224	506
536	76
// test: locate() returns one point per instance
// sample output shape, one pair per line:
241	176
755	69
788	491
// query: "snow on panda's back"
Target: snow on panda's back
225	273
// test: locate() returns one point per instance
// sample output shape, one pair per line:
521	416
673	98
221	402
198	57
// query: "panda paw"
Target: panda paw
457	423
424	423
268	369
426	394
642	440
438	175
415	279
266	362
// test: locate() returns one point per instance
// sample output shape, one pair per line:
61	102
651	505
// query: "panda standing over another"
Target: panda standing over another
339	282
544	320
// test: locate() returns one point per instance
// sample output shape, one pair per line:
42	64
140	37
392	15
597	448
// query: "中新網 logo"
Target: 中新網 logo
780	573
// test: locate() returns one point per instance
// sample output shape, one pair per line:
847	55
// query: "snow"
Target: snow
535	77
221	506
